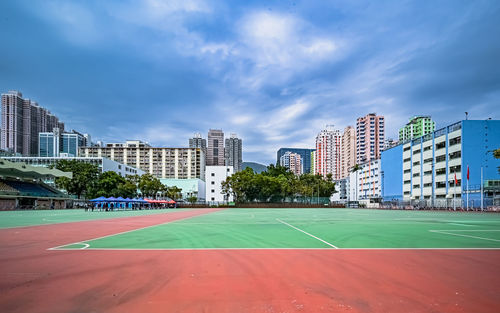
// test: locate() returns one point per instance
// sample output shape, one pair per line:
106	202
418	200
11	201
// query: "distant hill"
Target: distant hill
256	167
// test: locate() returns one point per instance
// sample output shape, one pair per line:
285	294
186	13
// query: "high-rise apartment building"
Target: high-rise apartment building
328	145
293	162
215	150
178	163
348	151
416	127
305	155
369	137
22	121
233	153
197	142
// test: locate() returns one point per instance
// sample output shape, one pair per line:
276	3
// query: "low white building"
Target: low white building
214	176
104	164
365	183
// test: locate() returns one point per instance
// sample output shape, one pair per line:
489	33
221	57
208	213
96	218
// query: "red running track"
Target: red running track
34	279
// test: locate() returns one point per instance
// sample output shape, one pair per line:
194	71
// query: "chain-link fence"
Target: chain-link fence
441	204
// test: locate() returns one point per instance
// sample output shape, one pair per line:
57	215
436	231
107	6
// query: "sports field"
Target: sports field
311	229
41	217
249	260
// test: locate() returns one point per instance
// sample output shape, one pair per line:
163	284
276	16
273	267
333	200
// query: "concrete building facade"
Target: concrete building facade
348	151
22	121
197	142
178	163
233	152
306	155
365	183
328	154
434	167
215	149
54	144
417	127
293	162
104	164
215	175
370	132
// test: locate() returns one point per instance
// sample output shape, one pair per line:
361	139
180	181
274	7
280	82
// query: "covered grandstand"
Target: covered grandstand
22	187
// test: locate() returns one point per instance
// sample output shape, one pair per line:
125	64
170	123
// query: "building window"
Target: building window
213	199
440	158
213	183
455	155
440	145
213	190
213	174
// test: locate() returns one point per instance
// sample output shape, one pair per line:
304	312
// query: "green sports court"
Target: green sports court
311	229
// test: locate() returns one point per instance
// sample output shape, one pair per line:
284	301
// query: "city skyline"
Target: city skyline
274	74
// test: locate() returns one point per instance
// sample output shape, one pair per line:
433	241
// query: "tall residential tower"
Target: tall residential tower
348	153
233	153
369	137
327	157
215	151
22	121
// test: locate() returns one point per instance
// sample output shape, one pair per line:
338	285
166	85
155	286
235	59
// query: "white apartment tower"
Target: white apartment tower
328	156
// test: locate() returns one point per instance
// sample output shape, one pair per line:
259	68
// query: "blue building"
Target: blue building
434	167
305	155
391	163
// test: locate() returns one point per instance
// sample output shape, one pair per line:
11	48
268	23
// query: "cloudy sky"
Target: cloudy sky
274	73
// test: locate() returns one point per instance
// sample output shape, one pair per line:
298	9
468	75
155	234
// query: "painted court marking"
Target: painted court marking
120	233
223	249
326	242
447	232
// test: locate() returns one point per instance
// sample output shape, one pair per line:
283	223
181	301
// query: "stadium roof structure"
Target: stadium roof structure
22	170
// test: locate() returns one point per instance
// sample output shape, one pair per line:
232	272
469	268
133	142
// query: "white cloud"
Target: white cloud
282	41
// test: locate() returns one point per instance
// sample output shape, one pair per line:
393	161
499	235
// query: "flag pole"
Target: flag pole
454	189
467	194
481	188
454	193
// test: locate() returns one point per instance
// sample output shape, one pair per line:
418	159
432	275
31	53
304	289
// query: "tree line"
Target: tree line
89	182
276	184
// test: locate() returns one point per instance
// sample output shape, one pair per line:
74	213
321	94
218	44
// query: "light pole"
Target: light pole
318	193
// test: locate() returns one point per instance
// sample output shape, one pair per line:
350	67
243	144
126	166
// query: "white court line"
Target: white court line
461	224
222	249
124	232
307	233
461	235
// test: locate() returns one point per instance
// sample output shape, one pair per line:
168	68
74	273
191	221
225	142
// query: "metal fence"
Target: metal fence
445	204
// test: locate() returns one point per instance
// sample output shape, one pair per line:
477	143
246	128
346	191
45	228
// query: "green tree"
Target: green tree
129	187
150	185
275	185
496	154
175	192
108	184
192	199
85	177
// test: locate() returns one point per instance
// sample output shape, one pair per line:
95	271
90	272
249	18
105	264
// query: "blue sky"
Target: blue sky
275	73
